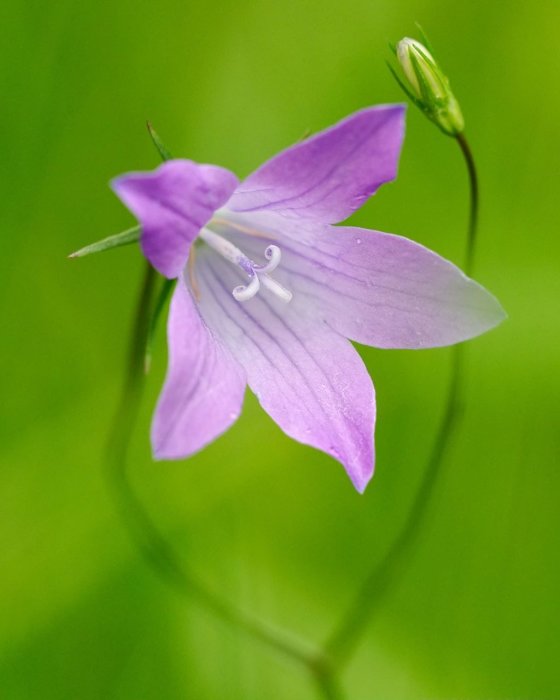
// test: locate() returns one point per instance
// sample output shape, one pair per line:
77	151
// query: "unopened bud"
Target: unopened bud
428	87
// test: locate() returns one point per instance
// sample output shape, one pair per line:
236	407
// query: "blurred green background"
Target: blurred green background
276	526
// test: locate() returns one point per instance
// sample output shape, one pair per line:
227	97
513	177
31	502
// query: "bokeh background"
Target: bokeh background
275	526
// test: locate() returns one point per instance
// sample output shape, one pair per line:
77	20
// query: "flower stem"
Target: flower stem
144	533
473	212
346	636
159	305
325	675
344	639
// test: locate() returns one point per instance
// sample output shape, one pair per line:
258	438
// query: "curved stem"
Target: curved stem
473	210
326	678
159	305
347	634
145	534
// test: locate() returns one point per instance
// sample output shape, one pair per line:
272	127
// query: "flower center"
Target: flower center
258	274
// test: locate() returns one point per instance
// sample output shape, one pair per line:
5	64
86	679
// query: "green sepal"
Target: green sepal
158	143
404	88
428	97
161	300
131	235
427	43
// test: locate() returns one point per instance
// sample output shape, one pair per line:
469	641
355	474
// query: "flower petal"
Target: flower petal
172	203
331	174
308	378
374	288
389	292
203	392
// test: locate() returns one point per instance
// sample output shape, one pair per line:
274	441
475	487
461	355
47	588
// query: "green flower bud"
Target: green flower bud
428	87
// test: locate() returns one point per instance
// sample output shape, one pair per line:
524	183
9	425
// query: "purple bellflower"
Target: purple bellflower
270	293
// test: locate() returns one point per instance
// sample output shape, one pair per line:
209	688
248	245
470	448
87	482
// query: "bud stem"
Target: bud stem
473	215
345	637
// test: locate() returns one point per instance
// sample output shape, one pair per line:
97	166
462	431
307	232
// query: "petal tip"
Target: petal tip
495	314
159	454
360	481
361	473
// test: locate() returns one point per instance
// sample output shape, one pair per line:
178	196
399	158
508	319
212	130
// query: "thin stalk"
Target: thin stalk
473	209
382	577
159	305
326	679
150	542
345	637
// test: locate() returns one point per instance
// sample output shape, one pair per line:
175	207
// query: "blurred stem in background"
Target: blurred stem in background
429	89
344	639
145	534
151	543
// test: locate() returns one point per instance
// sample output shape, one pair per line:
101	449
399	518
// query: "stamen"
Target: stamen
244	292
256	273
275	287
273	254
